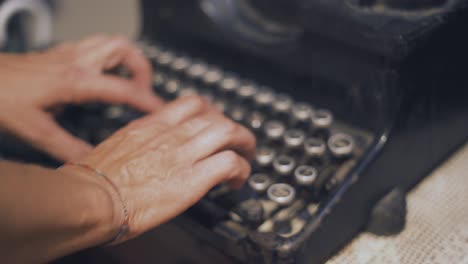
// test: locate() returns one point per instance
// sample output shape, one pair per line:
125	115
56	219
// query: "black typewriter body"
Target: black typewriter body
351	101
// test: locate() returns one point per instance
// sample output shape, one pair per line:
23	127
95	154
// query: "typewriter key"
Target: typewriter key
152	52
260	182
196	71
281	193
246	92
321	122
294	139
265	156
305	175
212	77
164	59
229	84
341	145
114	112
282	103
159	79
284	165
256	120
274	130
180	65
238	113
315	147
264	98
301	114
171	89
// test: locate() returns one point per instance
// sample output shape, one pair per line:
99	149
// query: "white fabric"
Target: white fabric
437	224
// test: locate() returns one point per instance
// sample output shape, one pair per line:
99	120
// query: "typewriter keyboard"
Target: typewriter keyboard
303	154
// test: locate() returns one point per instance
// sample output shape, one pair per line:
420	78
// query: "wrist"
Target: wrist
103	206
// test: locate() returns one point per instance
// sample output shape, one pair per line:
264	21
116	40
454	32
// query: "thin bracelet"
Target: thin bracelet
124	227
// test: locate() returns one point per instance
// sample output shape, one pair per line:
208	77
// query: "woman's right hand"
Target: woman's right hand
164	163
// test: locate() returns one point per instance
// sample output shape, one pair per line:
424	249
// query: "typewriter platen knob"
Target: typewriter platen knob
284	165
260	182
305	175
341	145
281	193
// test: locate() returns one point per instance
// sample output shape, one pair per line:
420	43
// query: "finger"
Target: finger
120	51
145	129
114	90
172	114
224	166
222	136
180	134
44	133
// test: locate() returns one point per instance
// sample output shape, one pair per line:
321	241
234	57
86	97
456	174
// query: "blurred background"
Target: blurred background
76	19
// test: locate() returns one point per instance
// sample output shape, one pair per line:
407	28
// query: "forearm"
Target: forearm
45	214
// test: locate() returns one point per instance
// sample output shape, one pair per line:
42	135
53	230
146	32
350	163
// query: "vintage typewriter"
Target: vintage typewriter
353	102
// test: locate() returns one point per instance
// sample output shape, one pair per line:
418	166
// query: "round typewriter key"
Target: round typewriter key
247	91
152	52
281	193
265	156
229	84
212	77
274	130
114	112
255	120
341	145
322	119
238	113
196	70
260	182
294	138
264	98
164	59
305	175
180	64
315	147
284	165
172	88
302	112
282	103
159	80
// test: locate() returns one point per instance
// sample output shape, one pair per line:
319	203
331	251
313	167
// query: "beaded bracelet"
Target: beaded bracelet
124	227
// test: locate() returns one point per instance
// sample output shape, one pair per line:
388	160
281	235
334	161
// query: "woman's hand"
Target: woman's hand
164	163
70	73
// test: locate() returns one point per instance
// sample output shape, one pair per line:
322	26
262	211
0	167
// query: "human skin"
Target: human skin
160	164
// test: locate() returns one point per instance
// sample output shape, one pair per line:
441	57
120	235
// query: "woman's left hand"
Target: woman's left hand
69	73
